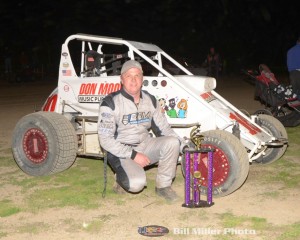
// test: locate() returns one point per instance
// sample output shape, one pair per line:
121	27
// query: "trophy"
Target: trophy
193	176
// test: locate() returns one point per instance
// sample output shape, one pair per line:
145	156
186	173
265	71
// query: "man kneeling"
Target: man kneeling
125	118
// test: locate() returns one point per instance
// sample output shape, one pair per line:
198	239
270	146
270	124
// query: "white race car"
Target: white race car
48	141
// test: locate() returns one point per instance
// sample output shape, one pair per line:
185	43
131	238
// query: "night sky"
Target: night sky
245	33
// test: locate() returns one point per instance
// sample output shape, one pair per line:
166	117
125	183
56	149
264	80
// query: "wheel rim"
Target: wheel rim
35	145
263	111
221	166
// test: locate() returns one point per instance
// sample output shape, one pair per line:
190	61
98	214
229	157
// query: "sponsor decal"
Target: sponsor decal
65	54
67	73
90	59
106	115
66	88
170	107
153	231
136	118
50	104
95	92
65	64
208	97
241	120
105	125
90	99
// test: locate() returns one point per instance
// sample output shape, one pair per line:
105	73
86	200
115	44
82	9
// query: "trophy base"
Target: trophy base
201	204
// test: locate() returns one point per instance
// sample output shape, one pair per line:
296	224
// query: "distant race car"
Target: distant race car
48	141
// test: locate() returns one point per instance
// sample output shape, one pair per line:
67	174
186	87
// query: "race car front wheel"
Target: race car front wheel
230	162
44	143
273	126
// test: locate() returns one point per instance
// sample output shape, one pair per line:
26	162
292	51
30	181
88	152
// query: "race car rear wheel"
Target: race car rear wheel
230	162
44	143
276	129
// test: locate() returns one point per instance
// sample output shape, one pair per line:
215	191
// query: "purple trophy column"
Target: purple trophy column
210	177
187	178
196	180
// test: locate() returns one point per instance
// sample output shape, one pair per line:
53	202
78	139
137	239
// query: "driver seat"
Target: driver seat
92	63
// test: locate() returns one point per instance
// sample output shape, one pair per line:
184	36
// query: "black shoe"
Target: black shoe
167	193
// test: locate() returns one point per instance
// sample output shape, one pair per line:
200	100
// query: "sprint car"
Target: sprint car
48	141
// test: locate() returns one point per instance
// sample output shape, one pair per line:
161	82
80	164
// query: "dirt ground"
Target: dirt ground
122	221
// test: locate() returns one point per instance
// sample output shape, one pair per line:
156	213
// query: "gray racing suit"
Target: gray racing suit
123	130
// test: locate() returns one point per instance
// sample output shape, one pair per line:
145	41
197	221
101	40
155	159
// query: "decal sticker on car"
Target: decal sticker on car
170	109
95	92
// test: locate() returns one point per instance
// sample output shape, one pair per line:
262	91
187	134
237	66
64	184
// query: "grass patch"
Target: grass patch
259	223
33	228
7	208
6	151
3	234
228	220
94	226
272	194
71	225
293	137
261	227
185	216
97	224
120	202
6	161
79	186
291	232
286	171
28	182
289	180
151	176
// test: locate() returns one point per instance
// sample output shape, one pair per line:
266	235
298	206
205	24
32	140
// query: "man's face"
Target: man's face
132	81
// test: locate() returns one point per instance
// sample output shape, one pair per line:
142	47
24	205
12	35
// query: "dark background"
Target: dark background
245	33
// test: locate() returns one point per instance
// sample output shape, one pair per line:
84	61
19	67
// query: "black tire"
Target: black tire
230	162
245	112
263	111
276	129
44	143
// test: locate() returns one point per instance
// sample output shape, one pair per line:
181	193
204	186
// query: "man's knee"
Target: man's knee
131	184
172	143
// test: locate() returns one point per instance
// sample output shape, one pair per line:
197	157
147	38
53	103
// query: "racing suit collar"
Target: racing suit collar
126	95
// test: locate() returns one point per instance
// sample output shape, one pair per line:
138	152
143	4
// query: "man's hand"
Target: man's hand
141	160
